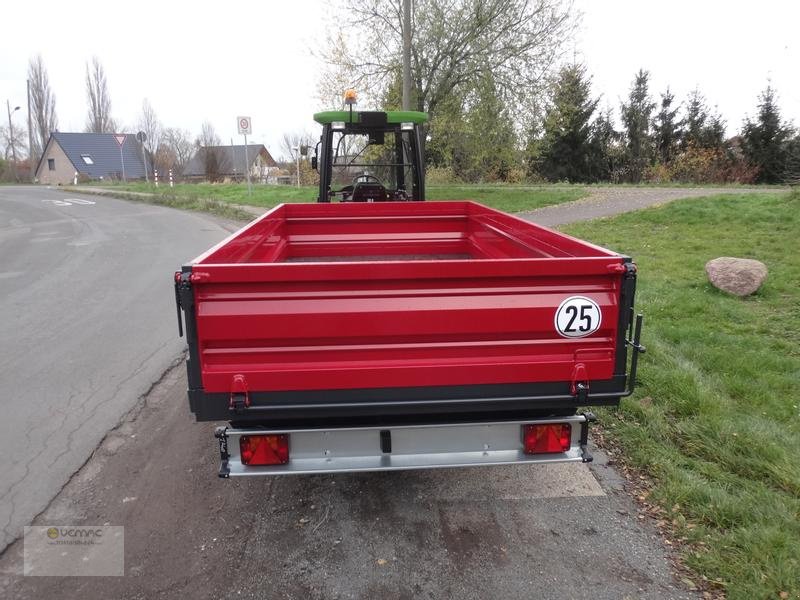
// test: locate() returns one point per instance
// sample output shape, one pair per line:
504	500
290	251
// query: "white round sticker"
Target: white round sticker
578	316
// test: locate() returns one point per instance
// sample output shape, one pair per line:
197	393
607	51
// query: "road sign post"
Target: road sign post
245	127
120	142
142	137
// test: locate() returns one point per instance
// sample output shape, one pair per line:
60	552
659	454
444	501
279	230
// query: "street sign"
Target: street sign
245	126
120	140
141	136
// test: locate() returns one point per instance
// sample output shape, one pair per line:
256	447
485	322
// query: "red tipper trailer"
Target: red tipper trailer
397	335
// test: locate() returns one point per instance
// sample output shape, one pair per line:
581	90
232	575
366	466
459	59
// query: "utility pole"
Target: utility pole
233	159
11	138
142	138
406	54
144	162
247	168
298	165
30	138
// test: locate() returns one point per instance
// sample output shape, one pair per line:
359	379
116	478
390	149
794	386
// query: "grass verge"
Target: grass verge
716	421
183	202
504	197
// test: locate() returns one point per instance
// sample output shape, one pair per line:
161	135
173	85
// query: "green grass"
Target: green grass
716	421
265	196
680	184
183	202
504	197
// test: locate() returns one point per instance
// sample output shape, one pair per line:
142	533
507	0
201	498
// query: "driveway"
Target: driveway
607	201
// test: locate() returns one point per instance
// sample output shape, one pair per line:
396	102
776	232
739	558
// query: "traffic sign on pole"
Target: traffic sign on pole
245	129
245	126
120	141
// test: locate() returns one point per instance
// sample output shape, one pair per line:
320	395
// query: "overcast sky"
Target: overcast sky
202	61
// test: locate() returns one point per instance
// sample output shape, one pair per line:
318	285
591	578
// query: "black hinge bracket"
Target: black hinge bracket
579	387
238	403
634	338
585	456
178	303
221	434
582	392
183	296
240	396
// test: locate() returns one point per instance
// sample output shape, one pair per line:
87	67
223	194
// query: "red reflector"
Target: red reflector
264	449
546	439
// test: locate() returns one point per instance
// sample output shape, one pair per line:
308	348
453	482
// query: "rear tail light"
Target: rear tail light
264	449
550	438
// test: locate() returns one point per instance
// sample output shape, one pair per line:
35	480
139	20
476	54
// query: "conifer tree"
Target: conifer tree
566	151
764	140
636	115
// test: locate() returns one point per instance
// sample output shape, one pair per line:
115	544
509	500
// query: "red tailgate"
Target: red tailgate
325	297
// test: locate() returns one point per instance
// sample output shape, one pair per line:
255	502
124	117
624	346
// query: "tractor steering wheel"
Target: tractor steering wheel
367	188
365	178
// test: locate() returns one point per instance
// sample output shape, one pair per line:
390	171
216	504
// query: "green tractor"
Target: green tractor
370	156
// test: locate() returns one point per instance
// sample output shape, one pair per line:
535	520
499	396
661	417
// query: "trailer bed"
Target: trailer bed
409	310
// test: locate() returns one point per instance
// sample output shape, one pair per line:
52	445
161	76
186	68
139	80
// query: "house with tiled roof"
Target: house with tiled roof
93	156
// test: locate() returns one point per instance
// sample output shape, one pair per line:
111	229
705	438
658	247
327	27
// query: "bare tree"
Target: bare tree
215	160
149	123
208	136
176	143
455	43
13	141
291	142
99	118
339	74
43	106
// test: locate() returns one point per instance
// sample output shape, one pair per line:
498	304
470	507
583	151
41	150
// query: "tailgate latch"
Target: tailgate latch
579	387
240	398
181	287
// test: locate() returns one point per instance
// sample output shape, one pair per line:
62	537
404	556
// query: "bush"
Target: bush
515	175
440	176
703	165
658	173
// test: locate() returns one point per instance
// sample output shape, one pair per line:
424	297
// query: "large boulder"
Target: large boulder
739	276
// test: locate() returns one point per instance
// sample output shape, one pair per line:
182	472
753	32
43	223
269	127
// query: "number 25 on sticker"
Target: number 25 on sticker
578	316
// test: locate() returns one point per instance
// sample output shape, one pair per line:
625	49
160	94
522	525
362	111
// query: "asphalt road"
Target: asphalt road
88	324
555	531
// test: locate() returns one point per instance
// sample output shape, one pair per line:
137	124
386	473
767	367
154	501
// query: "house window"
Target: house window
87	159
51	164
